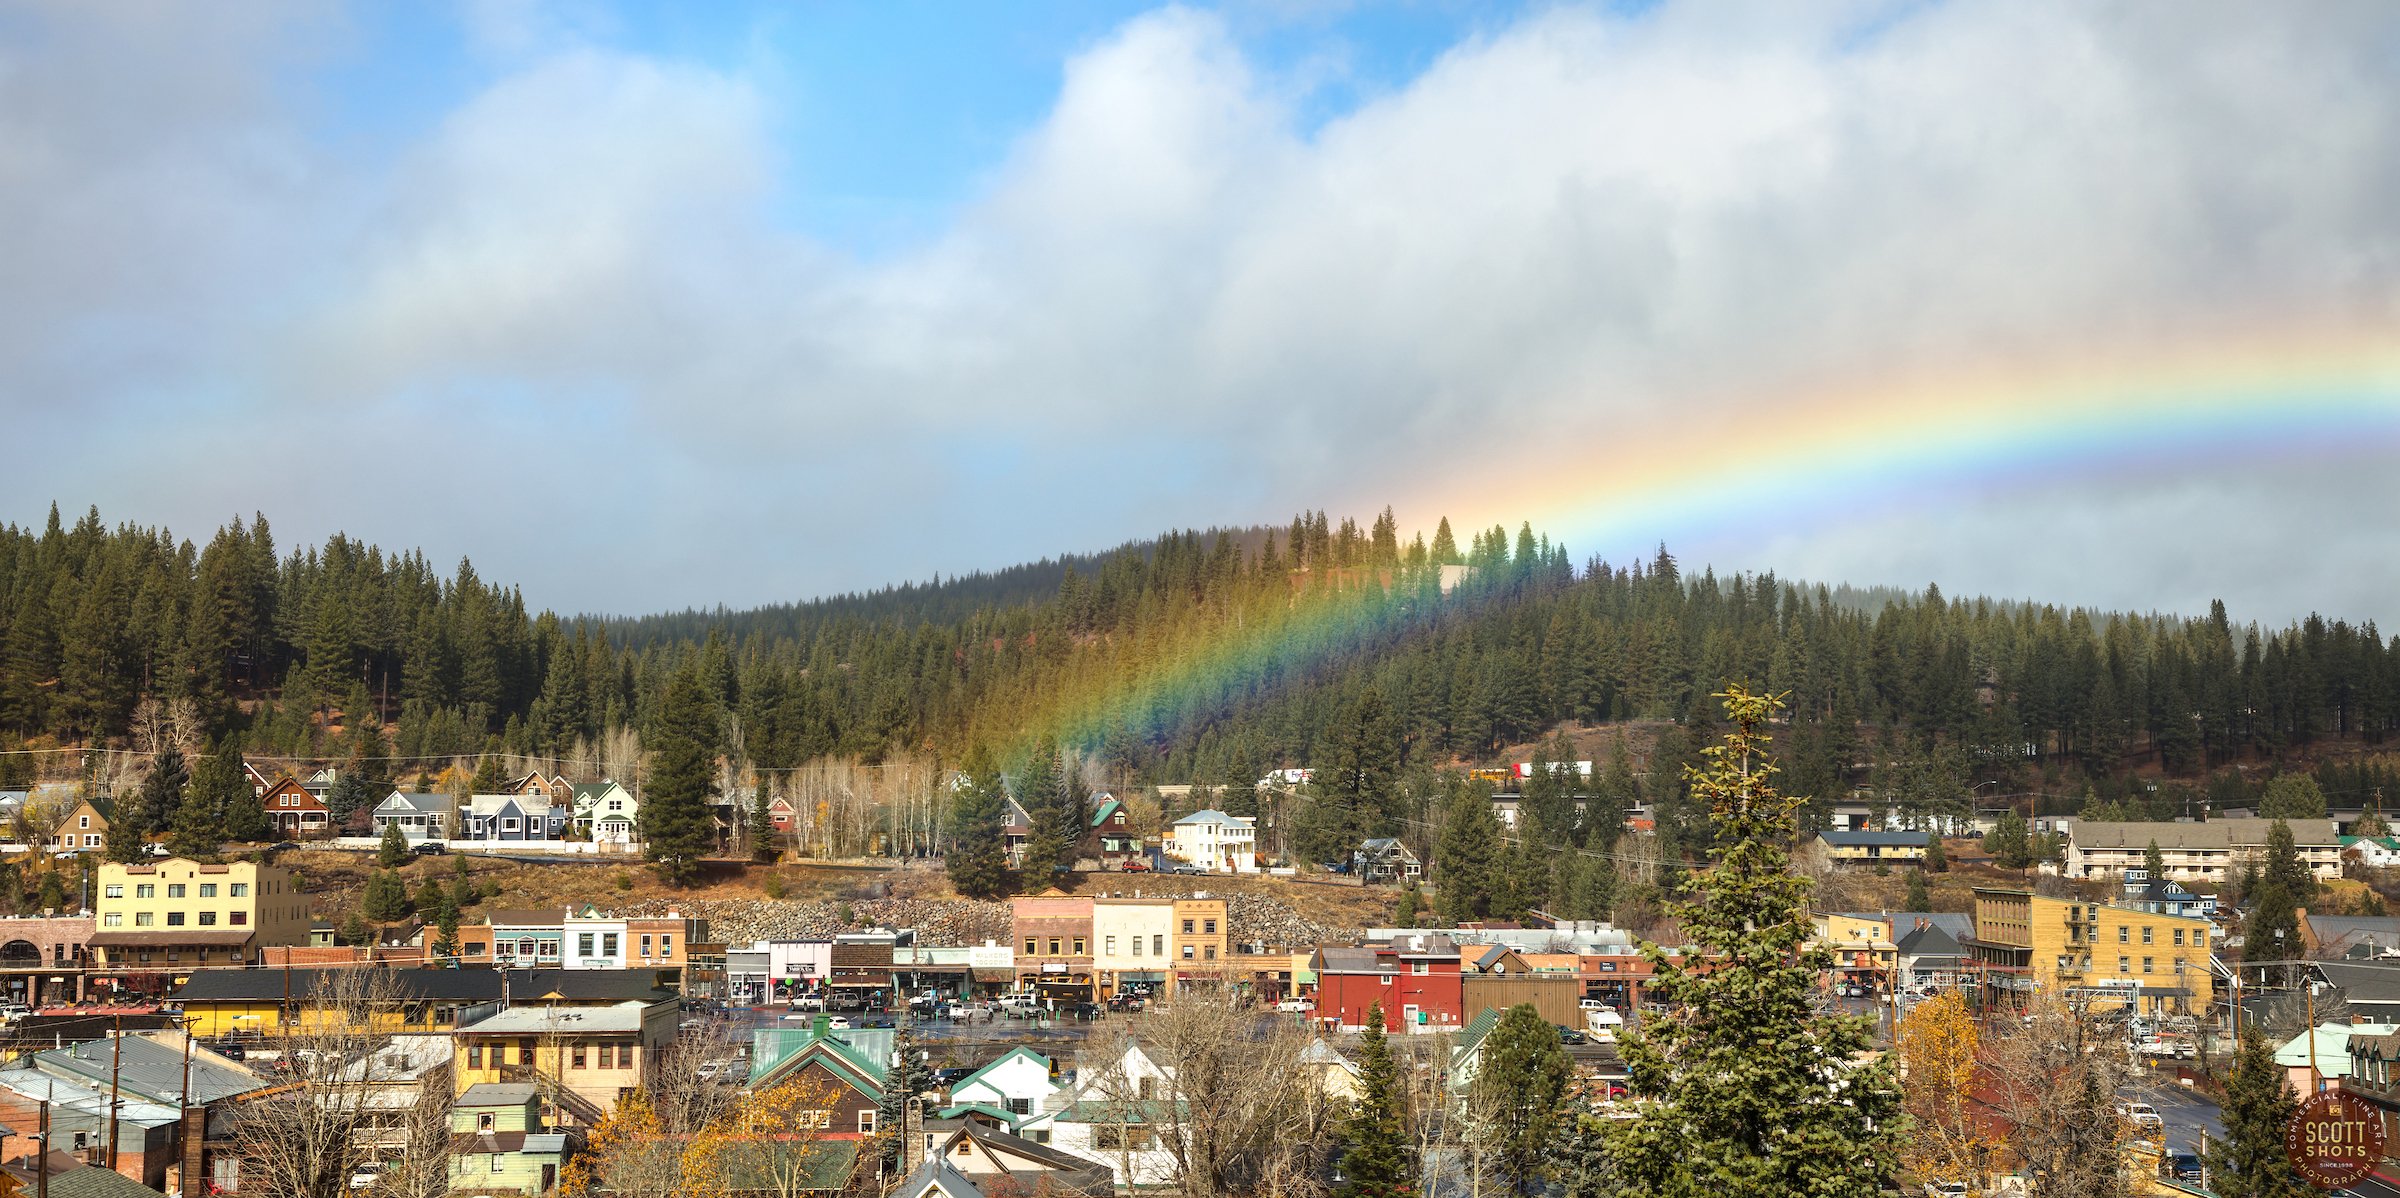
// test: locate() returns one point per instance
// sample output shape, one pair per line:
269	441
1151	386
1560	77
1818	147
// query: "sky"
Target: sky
652	307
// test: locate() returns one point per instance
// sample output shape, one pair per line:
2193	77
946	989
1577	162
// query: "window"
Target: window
1053	946
92	840
2124	934
645	947
474	1056
237	918
1187	952
2146	931
1137	945
483	1122
1386	979
525	946
1210	927
578	1057
866	1123
2146	965
174	890
1419	968
583	944
208	890
1079	946
1030	950
144	919
113	890
208	919
1209	952
1158	946
2179	937
509	824
1108	946
83	822
2124	965
145	890
608	944
666	945
1187	927
1020	1106
240	890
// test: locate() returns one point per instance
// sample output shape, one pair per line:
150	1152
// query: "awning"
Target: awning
858	984
175	938
983	973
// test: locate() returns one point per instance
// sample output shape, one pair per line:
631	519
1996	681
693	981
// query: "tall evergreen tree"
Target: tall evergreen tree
392	851
906	1077
1936	861
1917	898
1041	791
2007	842
445	933
676	829
1518	1097
976	859
2249	1161
1467	857
386	898
1377	1159
2154	863
764	842
1756	1094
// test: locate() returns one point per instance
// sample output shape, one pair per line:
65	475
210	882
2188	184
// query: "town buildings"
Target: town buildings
2107	955
1414	979
1215	841
1081	948
158	922
2209	852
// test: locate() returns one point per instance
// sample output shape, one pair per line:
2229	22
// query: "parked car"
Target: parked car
2141	1114
2180	1166
1568	1035
366	1175
14	1011
808	1002
1592	1004
1135	865
430	848
1295	1005
839	1023
710	1071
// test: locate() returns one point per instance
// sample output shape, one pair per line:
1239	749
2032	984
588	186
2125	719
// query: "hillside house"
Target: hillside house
294	812
1215	841
605	811
1385	859
1111	839
419	816
83	829
512	818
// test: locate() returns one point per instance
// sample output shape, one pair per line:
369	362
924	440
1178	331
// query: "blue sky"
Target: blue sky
653	306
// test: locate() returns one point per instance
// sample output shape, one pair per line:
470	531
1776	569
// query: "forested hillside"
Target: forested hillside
1195	656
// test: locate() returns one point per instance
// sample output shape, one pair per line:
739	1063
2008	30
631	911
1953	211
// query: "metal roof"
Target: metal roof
624	1018
151	1068
499	1094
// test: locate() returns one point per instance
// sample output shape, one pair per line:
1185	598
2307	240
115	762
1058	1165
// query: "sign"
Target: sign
2334	1141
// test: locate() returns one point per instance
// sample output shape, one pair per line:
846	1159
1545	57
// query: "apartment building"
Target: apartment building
1053	935
1215	841
1135	940
2027	944
1201	937
159	921
2211	851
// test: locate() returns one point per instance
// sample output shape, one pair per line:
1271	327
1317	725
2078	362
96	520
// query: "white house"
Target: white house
1215	841
1119	1114
593	939
605	811
1018	1082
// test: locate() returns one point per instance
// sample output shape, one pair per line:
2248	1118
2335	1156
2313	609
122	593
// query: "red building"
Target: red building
1415	979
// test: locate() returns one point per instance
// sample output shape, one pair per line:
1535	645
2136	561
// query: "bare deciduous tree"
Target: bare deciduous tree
308	1136
2052	1084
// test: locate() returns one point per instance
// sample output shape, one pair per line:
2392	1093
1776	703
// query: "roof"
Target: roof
2215	834
622	1019
1059	1169
431	985
859	1054
1013	1053
416	801
1928	941
936	1176
499	1094
82	1181
2333	1046
2363	984
1319	1052
1873	839
1211	815
2336	935
152	1068
1101	813
1101	1110
525	917
1470	1038
84	1098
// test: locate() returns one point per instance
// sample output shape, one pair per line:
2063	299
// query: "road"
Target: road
2189	1116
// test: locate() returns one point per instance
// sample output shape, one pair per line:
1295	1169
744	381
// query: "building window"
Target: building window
2146	930
1209	926
1158	946
524	1052
1187	927
1419	968
2124	965
578	1057
1108	946
1053	946
1079	946
583	944
145	890
2179	937
84	822
2146	965
525	946
174	890
1030	949
1137	945
1187	952
1209	952
113	890
240	890
208	890
208	919
866	1123
2124	934
608	944
474	1056
144	919
666	945
237	918
483	1122
645	948
112	920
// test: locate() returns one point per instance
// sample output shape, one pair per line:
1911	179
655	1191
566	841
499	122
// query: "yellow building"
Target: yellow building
2025	943
164	919
1861	945
1200	938
595	1053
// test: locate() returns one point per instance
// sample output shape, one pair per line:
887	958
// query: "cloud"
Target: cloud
1177	299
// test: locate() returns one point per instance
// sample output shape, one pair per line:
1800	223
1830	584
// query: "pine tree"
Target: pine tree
1936	861
976	860
386	899
2007	842
242	816
2284	866
462	884
907	1076
348	794
1377	1158
392	851
2154	863
199	827
1466	858
355	931
762	825
676	832
489	777
2292	796
445	938
1518	1097
1411	908
1744	1073
1917	898
1048	844
430	895
2248	1161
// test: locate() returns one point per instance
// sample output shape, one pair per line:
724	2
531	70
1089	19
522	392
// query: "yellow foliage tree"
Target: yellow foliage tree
1939	1050
617	1149
767	1144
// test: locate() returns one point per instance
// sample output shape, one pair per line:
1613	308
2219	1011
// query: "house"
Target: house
1001	1165
146	1132
1019	1082
1861	945
257	778
2374	852
847	1066
2329	1043
506	818
2162	896
1337	1077
1120	1114
1928	955
554	788
498	1140
2349	937
1466	1051
84	828
60	1175
1016	827
2025	942
605	812
295	812
161	920
935	1179
1385	859
1873	848
2371	988
420	816
1111	839
1414	978
1215	841
2209	852
595	1054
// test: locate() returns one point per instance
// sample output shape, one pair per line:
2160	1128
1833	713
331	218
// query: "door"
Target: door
549	1177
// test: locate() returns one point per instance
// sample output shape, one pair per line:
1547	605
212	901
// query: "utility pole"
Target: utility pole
41	1163
116	1057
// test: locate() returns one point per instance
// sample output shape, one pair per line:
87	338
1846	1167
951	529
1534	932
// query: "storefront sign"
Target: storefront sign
2334	1141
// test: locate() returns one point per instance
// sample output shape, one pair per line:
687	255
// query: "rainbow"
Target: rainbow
1708	466
1819	454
